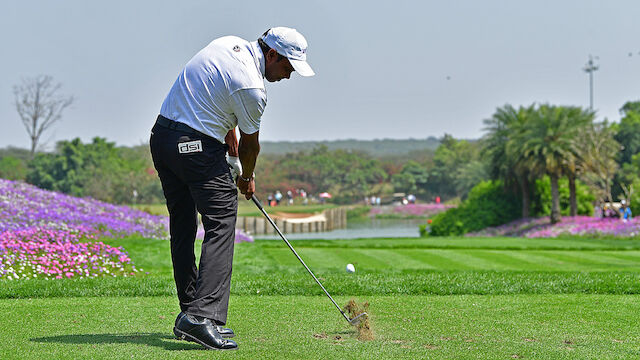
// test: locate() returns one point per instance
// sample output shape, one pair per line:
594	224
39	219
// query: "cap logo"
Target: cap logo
236	48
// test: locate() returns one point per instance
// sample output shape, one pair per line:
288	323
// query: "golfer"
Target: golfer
220	88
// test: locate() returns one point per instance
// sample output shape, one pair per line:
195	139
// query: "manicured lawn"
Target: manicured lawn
466	298
303	327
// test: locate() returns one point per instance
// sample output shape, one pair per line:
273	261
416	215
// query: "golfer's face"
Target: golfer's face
278	70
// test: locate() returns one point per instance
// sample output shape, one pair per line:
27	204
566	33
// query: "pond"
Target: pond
369	228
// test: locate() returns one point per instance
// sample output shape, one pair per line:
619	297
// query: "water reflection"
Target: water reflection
369	228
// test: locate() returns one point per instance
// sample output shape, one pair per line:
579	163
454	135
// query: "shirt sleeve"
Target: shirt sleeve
248	106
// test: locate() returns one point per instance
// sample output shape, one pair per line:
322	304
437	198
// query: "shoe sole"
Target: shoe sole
181	335
225	336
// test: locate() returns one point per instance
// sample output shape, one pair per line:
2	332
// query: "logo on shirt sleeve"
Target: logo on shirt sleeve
190	147
236	48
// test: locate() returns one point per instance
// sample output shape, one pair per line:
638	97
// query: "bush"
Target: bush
12	168
488	204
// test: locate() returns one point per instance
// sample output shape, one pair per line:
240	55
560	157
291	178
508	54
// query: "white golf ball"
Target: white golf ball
350	268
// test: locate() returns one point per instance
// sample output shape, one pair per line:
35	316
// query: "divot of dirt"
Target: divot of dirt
446	338
338	338
364	326
530	340
431	347
320	336
516	356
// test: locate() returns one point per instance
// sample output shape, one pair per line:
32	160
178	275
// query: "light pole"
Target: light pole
590	67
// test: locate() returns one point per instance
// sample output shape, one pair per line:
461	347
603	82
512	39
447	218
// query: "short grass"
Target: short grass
463	298
306	327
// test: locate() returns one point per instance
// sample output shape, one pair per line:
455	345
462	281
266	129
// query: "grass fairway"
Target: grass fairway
297	327
497	298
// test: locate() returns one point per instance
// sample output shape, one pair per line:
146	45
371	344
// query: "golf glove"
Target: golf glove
235	165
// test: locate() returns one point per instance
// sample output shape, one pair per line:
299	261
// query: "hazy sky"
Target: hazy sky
394	69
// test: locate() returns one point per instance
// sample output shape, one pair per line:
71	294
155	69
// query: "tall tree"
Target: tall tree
598	150
547	140
582	119
501	151
628	133
39	106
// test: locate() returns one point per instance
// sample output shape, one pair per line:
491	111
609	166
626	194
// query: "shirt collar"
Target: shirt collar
258	56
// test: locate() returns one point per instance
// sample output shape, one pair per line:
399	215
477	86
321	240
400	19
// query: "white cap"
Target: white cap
292	45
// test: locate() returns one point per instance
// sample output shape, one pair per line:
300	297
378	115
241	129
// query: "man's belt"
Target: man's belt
178	126
174	125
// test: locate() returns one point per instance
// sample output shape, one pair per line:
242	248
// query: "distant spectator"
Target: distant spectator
626	214
290	197
270	200
411	198
278	197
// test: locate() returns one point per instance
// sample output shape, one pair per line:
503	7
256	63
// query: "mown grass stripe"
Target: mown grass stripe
540	259
470	259
571	260
430	258
507	261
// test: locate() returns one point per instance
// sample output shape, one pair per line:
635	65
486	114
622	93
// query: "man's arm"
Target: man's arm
248	150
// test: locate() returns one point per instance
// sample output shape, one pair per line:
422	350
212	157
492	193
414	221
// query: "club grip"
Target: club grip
256	201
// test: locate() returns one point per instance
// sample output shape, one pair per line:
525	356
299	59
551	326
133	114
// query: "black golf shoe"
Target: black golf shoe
223	331
201	331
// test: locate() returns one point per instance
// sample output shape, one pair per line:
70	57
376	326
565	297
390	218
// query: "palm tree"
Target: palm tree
582	119
504	163
546	142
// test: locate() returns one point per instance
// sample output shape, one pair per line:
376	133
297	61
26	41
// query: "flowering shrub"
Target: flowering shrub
23	206
41	233
576	225
45	253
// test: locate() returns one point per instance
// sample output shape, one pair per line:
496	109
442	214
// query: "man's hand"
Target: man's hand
246	187
236	166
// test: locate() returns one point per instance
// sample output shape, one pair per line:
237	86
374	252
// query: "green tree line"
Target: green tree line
549	157
550	160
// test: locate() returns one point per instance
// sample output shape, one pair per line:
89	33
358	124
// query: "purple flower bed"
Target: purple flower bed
46	253
41	233
576	225
23	206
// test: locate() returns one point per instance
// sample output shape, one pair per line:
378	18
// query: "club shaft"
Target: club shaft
259	205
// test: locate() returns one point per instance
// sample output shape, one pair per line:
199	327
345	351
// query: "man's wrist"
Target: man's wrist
247	179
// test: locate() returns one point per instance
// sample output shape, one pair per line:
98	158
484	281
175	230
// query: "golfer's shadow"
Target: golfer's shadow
152	339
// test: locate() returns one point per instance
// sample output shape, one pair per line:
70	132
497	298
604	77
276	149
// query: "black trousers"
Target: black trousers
196	179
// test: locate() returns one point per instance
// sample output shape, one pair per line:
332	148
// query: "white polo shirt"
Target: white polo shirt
220	88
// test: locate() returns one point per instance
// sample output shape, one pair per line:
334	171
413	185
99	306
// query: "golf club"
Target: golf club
353	321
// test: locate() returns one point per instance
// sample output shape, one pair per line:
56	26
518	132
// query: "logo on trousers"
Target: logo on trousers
190	147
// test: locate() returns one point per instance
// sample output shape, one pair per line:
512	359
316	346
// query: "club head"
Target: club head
356	320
